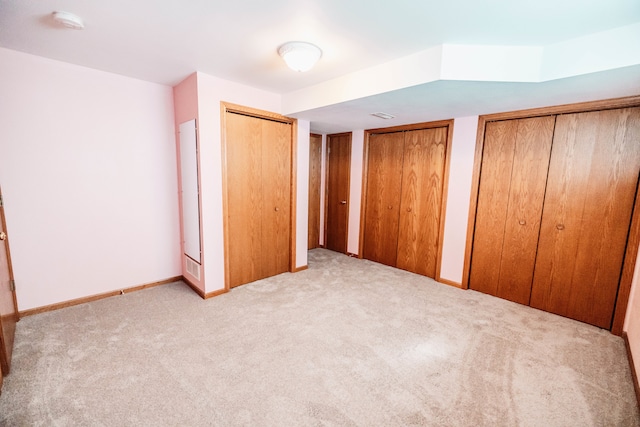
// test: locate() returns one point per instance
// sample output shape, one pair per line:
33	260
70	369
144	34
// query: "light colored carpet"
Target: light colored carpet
345	343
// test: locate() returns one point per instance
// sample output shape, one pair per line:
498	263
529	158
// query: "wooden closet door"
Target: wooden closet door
384	183
421	200
244	195
276	196
593	176
315	176
511	195
338	178
8	303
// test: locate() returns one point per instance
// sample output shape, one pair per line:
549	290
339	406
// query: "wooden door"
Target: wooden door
513	177
276	196
384	183
244	195
8	302
421	200
593	176
338	178
315	176
258	174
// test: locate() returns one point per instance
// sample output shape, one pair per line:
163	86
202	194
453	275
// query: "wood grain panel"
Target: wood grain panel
315	176
276	195
384	183
420	206
526	197
8	304
338	179
592	183
245	203
492	205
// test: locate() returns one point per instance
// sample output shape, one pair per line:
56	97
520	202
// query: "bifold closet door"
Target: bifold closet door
421	200
384	183
244	173
8	304
258	174
513	176
276	193
593	177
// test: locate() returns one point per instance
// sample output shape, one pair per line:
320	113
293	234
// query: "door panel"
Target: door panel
338	178
276	191
492	206
513	180
526	198
420	207
245	204
384	183
592	183
315	176
8	303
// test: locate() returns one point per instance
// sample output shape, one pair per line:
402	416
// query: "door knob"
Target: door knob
3	235
343	202
389	207
276	209
522	222
560	227
408	209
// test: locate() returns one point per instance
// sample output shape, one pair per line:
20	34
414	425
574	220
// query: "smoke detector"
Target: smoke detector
68	20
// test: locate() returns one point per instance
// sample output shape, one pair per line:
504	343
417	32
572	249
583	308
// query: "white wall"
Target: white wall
355	191
457	215
88	172
302	196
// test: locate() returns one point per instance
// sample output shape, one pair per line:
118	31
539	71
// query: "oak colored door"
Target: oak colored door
276	196
513	177
384	184
315	177
421	200
258	174
245	204
593	176
8	302
338	178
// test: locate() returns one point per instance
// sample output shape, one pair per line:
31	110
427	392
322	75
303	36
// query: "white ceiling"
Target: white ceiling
164	41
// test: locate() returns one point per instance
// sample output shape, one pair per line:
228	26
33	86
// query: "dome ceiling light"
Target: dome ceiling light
68	20
300	56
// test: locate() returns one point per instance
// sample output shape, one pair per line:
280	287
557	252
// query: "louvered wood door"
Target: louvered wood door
593	176
258	174
384	184
315	174
338	178
421	200
513	177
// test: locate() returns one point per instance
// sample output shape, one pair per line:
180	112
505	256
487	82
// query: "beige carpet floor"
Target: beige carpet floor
345	343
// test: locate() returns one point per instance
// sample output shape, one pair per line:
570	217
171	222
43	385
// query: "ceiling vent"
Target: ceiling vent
385	116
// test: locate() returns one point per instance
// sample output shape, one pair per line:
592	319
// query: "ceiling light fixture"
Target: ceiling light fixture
68	20
300	56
